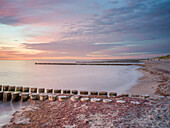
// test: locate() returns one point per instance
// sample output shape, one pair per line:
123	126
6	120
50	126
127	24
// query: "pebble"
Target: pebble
135	102
85	99
121	101
107	100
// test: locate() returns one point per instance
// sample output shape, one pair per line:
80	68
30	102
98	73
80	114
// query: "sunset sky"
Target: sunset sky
84	29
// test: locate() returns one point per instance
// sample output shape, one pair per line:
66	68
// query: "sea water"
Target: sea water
80	77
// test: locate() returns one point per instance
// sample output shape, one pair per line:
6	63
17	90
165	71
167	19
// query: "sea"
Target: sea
74	77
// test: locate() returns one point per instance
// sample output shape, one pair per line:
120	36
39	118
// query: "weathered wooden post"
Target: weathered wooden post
34	96
57	91
83	92
93	93
33	90
5	87
24	97
52	97
103	93
66	91
74	92
7	96
19	88
0	87
49	90
26	89
43	97
15	96
11	88
111	94
1	95
41	90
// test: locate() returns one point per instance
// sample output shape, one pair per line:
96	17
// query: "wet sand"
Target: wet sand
151	112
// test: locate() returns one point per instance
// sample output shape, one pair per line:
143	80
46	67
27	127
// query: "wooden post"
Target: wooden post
49	90
52	97
43	97
112	94
19	88
93	93
34	96
83	92
15	96
0	87
74	92
41	90
103	93
33	90
5	87
7	96
1	95
26	89
24	97
66	91
11	88
57	91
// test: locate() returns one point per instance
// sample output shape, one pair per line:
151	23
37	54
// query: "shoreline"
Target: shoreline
155	79
133	112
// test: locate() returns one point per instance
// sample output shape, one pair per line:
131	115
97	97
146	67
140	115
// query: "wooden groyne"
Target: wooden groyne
102	64
14	94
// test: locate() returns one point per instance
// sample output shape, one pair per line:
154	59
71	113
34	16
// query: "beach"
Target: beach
122	112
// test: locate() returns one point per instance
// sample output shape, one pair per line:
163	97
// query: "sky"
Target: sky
84	29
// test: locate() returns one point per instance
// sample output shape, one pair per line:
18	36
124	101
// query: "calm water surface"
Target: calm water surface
81	77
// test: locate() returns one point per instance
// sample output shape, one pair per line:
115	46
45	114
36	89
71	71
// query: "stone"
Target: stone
135	102
6	96
93	93
43	97
95	100
26	89
33	90
15	96
107	100
24	97
5	87
121	101
85	99
19	88
52	97
11	88
41	90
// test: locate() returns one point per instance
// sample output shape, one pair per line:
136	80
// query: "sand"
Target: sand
126	112
155	80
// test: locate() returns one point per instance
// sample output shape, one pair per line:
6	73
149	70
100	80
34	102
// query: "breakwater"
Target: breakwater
8	93
102	64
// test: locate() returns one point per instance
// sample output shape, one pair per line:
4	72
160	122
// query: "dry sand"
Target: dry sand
155	80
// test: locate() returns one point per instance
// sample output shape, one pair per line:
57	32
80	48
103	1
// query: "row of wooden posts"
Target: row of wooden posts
14	93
